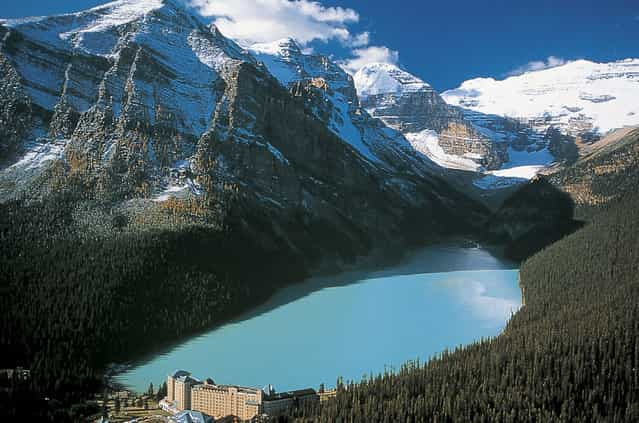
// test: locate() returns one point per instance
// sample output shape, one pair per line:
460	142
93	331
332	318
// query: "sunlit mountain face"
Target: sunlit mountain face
200	200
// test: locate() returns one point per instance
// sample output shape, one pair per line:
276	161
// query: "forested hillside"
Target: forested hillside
602	176
87	282
84	285
570	354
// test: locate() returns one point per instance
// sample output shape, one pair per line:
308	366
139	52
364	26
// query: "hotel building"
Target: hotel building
223	400
178	388
187	393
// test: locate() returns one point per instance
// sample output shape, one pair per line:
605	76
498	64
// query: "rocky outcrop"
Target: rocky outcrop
411	111
561	146
15	111
460	139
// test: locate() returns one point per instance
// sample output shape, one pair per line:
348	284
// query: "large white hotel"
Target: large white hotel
185	392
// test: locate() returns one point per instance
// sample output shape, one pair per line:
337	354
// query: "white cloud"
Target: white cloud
360	40
372	54
550	62
260	21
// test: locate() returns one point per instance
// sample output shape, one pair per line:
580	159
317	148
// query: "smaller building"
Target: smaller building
168	406
122	395
18	374
278	403
326	395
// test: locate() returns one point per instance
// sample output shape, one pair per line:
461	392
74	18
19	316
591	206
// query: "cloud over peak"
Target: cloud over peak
550	62
373	54
250	22
261	21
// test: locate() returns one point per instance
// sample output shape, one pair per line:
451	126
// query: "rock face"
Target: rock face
329	92
16	111
562	146
140	103
406	103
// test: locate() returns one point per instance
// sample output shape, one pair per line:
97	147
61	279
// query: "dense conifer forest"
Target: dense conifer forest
570	354
77	297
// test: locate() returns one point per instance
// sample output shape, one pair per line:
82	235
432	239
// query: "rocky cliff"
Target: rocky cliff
143	105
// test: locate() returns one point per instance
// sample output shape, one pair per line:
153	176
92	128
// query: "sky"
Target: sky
442	42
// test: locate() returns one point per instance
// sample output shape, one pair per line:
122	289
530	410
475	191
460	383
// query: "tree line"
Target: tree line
570	354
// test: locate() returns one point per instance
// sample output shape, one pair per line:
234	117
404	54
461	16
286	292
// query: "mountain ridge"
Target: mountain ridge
578	97
408	104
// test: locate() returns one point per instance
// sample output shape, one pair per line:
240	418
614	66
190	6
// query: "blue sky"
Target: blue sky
443	42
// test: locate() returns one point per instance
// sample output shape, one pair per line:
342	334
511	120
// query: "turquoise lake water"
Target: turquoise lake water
350	325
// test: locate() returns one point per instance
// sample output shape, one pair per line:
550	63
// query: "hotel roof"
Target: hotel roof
180	373
290	394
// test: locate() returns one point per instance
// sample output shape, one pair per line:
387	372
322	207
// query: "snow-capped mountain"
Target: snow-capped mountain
335	102
578	97
121	36
410	105
503	151
142	105
384	78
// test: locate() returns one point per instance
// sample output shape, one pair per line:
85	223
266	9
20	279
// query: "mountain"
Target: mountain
605	173
384	78
581	98
507	131
127	84
192	174
331	95
408	104
144	100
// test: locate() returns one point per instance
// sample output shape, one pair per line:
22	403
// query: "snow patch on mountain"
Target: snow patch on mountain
427	143
384	78
40	153
579	96
281	58
342	125
522	167
91	30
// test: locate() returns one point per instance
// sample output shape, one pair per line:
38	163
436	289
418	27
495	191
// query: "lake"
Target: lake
350	325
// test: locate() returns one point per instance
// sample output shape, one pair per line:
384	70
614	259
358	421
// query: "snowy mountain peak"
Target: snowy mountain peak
160	39
577	97
99	18
104	29
283	47
384	78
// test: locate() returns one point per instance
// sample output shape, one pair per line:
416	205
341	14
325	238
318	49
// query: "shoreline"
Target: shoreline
365	269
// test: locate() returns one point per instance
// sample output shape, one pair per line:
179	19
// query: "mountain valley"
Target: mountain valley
151	165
